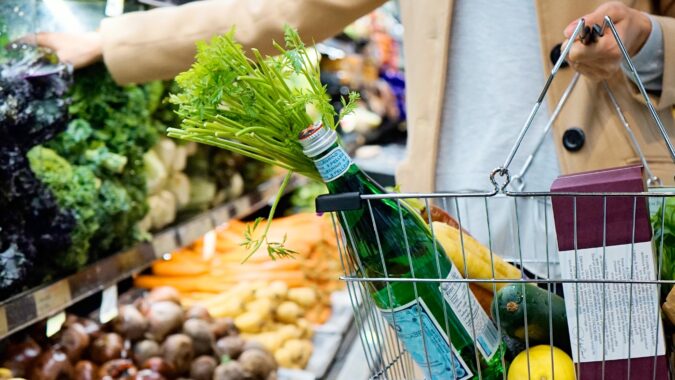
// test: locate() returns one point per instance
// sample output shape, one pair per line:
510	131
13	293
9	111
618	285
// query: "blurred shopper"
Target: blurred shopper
473	71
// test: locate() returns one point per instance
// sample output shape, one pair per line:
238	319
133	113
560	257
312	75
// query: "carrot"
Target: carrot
180	268
325	314
183	284
277	265
318	314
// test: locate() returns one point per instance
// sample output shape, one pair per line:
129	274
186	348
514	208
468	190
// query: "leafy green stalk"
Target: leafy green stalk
252	105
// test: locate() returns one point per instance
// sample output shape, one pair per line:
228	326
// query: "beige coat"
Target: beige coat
160	44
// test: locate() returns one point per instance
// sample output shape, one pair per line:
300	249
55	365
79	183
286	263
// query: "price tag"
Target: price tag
164	242
114	8
55	323
194	229
51	298
209	247
3	322
109	310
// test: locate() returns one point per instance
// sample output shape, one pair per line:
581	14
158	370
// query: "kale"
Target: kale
12	266
33	89
34	227
110	130
76	189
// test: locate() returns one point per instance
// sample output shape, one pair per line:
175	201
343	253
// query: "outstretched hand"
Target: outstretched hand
602	59
78	49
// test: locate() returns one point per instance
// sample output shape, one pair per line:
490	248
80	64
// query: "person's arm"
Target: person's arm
648	62
666	98
158	44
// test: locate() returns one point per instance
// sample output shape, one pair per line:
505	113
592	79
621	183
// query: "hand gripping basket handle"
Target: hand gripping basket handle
503	171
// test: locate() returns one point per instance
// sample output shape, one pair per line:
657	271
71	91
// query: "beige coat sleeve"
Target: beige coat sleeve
158	44
667	97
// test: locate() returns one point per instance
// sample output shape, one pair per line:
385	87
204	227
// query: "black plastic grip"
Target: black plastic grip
338	202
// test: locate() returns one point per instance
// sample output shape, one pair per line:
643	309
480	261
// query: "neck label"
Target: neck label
334	164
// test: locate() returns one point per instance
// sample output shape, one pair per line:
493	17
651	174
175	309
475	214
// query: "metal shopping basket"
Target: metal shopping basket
519	226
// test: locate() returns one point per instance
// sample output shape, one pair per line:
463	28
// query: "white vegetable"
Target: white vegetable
166	151
162	209
202	192
155	172
179	186
179	159
236	186
191	148
146	223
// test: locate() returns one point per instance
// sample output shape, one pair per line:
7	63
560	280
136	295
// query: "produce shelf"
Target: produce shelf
43	302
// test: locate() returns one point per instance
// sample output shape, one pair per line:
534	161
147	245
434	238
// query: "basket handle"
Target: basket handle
587	35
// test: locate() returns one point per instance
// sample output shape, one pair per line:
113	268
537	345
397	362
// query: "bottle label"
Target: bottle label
426	342
470	314
334	164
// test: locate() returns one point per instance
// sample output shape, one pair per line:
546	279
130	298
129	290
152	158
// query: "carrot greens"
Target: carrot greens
256	106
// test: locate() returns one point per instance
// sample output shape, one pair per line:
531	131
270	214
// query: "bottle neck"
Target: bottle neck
332	163
336	168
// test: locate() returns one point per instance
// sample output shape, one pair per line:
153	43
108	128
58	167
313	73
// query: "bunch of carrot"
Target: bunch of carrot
214	264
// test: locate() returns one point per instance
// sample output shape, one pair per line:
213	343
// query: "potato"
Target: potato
262	306
231	346
258	363
203	368
306	327
288	312
106	348
230	371
230	308
200	333
250	322
160	366
271	341
285	358
290	332
117	369
223	327
178	351
85	370
305	296
279	287
130	323
164	293
300	351
74	341
165	317
199	312
144	350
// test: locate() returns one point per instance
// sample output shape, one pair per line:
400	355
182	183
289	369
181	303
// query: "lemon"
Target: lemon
540	365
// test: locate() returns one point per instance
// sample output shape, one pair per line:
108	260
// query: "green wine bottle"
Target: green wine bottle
387	238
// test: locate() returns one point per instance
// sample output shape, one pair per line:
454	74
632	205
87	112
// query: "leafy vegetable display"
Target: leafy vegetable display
255	106
35	230
101	152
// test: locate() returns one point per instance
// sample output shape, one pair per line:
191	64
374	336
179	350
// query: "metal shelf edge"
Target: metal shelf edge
37	304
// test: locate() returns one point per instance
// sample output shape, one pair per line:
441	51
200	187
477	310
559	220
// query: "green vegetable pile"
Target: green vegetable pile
255	106
663	225
96	167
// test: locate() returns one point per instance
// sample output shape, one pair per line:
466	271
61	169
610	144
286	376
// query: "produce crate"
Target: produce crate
567	283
